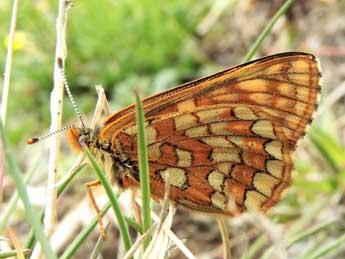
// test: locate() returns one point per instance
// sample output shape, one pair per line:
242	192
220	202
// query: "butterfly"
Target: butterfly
224	142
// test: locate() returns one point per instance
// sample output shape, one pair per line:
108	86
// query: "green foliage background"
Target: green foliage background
119	44
153	46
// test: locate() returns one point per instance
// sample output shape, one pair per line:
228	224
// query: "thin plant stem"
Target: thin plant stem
56	118
257	44
140	241
113	200
8	66
13	201
225	238
143	167
80	239
10	254
6	87
34	221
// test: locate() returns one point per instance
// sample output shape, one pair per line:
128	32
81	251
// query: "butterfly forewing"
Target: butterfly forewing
226	140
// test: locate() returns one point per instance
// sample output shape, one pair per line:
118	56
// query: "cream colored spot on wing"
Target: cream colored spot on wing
185	121
184	158
196	132
219	128
244	113
219	200
226	155
187	105
292	120
217	141
265	183
260	85
264	128
174	176
151	134
216	180
224	167
254	201
274	69
237	140
211	115
154	152
274	148
132	130
275	168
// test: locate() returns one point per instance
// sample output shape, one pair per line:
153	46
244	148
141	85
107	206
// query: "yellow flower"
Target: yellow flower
20	38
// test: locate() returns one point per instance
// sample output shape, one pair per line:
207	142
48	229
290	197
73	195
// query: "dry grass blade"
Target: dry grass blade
15	243
225	238
139	242
74	168
160	243
178	242
101	106
56	118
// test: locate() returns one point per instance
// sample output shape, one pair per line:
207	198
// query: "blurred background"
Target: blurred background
154	46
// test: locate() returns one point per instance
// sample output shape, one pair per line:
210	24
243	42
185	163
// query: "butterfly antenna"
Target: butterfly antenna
31	141
70	96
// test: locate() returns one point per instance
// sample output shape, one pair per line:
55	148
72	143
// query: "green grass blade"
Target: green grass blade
329	248
329	148
315	245
313	230
143	166
99	244
113	201
14	172
31	237
11	254
79	240
30	241
308	216
134	225
13	202
257	44
258	244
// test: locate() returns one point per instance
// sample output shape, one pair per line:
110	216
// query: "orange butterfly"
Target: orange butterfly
225	140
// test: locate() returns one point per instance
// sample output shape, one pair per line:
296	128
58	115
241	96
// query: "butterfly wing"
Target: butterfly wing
217	160
224	142
286	84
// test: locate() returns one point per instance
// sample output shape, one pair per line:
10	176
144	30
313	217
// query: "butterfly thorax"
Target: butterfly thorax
117	167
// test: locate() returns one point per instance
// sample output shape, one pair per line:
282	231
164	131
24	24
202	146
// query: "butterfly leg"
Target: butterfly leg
102	106
89	187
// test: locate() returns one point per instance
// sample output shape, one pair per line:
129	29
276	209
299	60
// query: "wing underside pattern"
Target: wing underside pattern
224	142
